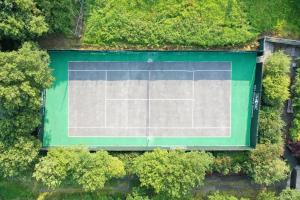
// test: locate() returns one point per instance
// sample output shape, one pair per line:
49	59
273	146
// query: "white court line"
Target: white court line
150	99
193	99
166	70
95	127
105	98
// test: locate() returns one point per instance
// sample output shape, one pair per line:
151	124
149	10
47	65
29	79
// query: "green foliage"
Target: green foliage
295	129
222	196
279	17
138	193
90	170
166	22
127	158
270	126
17	157
59	15
21	19
289	194
267	167
265	195
276	79
205	23
23	76
231	162
172	173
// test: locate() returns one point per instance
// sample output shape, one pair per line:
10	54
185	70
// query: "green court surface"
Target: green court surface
140	100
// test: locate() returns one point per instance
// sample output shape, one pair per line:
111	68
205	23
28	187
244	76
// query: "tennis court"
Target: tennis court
129	100
170	99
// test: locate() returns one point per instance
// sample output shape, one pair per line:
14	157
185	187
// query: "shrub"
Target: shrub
222	196
230	162
265	195
270	126
138	194
295	129
267	167
289	194
127	158
172	173
276	80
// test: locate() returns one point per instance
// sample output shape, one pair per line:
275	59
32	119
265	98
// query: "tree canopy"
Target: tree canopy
270	125
267	167
21	20
172	173
23	76
18	156
59	15
276	80
89	170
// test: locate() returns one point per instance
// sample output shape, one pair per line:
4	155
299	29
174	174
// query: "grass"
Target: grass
16	189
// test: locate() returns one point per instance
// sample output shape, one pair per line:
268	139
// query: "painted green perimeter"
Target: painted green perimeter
56	117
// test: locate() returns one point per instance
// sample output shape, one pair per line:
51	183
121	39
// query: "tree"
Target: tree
93	170
172	173
23	76
53	169
267	167
21	19
60	15
276	80
89	170
18	156
270	125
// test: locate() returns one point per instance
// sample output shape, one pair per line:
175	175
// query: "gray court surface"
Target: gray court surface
149	99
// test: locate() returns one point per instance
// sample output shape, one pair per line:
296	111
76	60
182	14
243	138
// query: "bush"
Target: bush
127	158
90	170
276	80
295	129
172	173
138	194
265	195
267	166
231	162
270	126
220	196
289	194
